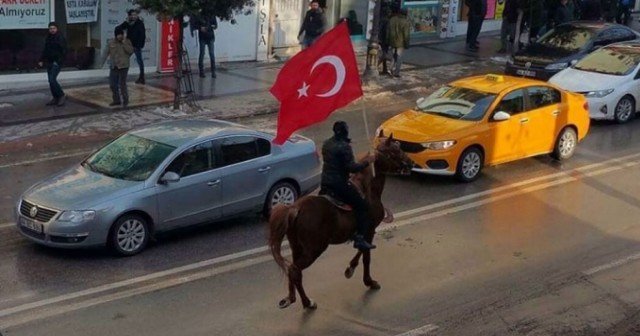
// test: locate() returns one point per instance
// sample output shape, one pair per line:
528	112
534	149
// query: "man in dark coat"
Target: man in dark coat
313	25
623	14
137	34
591	10
477	12
609	9
563	14
55	50
385	16
339	162
205	25
508	28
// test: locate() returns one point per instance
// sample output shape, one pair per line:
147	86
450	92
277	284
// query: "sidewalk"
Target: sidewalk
249	80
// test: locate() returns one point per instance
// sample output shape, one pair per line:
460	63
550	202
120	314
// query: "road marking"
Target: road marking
44	159
499	197
61	309
58	309
6	225
514	185
422	331
612	264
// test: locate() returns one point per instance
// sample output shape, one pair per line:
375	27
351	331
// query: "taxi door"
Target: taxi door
545	119
507	138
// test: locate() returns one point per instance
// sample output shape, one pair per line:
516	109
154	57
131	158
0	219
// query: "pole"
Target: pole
366	128
371	68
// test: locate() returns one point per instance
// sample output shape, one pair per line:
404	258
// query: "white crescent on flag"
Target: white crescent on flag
341	73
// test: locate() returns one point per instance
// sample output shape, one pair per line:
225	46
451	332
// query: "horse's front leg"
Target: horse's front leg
348	273
366	262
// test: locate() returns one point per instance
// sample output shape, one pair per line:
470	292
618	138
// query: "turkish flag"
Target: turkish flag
316	82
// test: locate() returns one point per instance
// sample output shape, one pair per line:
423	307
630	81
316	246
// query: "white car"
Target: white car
610	80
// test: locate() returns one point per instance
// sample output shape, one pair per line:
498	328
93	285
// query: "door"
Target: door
545	119
197	196
287	21
506	137
245	172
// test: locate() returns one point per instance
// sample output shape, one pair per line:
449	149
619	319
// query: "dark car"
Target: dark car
563	46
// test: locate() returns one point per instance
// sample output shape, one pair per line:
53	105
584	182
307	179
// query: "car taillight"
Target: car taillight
586	106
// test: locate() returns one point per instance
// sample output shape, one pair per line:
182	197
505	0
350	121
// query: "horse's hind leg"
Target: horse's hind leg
300	264
287	301
366	262
348	273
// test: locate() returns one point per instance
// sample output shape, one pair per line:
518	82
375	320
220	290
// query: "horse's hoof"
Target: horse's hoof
312	305
374	285
348	273
284	303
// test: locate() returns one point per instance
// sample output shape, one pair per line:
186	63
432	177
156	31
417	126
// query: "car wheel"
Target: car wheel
565	144
129	235
281	193
470	165
625	110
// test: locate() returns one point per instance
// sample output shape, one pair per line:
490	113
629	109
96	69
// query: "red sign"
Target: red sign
169	46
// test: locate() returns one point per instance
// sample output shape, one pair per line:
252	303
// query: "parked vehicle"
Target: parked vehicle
488	120
610	80
166	176
563	46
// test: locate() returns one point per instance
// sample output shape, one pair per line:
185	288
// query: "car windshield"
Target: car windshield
618	60
128	158
566	37
456	103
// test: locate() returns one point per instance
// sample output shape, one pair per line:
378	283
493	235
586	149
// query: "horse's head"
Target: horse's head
391	159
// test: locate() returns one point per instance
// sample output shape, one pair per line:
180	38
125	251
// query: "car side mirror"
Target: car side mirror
169	177
501	116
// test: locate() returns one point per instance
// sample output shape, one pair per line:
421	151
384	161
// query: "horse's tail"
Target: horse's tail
281	217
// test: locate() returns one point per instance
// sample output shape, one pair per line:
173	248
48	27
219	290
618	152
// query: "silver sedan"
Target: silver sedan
163	177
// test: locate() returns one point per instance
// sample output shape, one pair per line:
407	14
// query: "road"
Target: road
534	247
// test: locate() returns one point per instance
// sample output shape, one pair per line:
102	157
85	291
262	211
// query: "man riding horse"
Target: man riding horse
339	163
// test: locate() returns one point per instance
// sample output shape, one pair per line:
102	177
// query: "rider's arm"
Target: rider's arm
351	164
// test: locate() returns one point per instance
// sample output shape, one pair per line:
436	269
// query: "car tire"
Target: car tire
280	193
566	144
470	165
625	110
129	235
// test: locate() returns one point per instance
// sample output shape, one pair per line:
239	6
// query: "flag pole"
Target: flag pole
366	127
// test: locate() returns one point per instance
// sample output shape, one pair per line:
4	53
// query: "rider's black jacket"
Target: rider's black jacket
339	162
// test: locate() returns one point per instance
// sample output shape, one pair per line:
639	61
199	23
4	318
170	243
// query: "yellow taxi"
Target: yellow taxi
487	120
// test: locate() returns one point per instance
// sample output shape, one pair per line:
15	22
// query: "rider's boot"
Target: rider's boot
361	244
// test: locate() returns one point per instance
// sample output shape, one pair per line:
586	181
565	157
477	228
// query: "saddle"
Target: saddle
388	215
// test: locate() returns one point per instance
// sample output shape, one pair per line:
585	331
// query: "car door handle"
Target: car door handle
213	183
555	113
524	120
264	169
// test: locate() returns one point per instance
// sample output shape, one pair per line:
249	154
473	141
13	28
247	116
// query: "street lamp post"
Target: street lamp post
371	68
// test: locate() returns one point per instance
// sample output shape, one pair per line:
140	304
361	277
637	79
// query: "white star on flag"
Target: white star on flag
303	90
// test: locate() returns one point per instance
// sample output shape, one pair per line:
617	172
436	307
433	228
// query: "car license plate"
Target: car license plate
527	73
31	225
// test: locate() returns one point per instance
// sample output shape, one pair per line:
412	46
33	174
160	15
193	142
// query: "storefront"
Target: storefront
457	17
424	16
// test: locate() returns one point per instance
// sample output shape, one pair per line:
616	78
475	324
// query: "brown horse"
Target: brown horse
313	222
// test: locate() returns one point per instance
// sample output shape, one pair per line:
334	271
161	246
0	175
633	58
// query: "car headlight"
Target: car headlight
557	66
77	216
598	94
438	145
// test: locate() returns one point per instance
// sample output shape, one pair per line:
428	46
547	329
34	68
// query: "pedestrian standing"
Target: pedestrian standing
398	35
563	13
120	51
624	11
591	10
137	34
55	50
508	28
385	16
205	25
609	9
313	25
477	12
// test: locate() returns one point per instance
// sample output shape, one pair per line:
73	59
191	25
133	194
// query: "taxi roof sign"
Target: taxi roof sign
495	78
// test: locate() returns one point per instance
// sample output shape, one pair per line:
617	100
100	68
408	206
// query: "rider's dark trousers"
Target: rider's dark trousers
350	195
